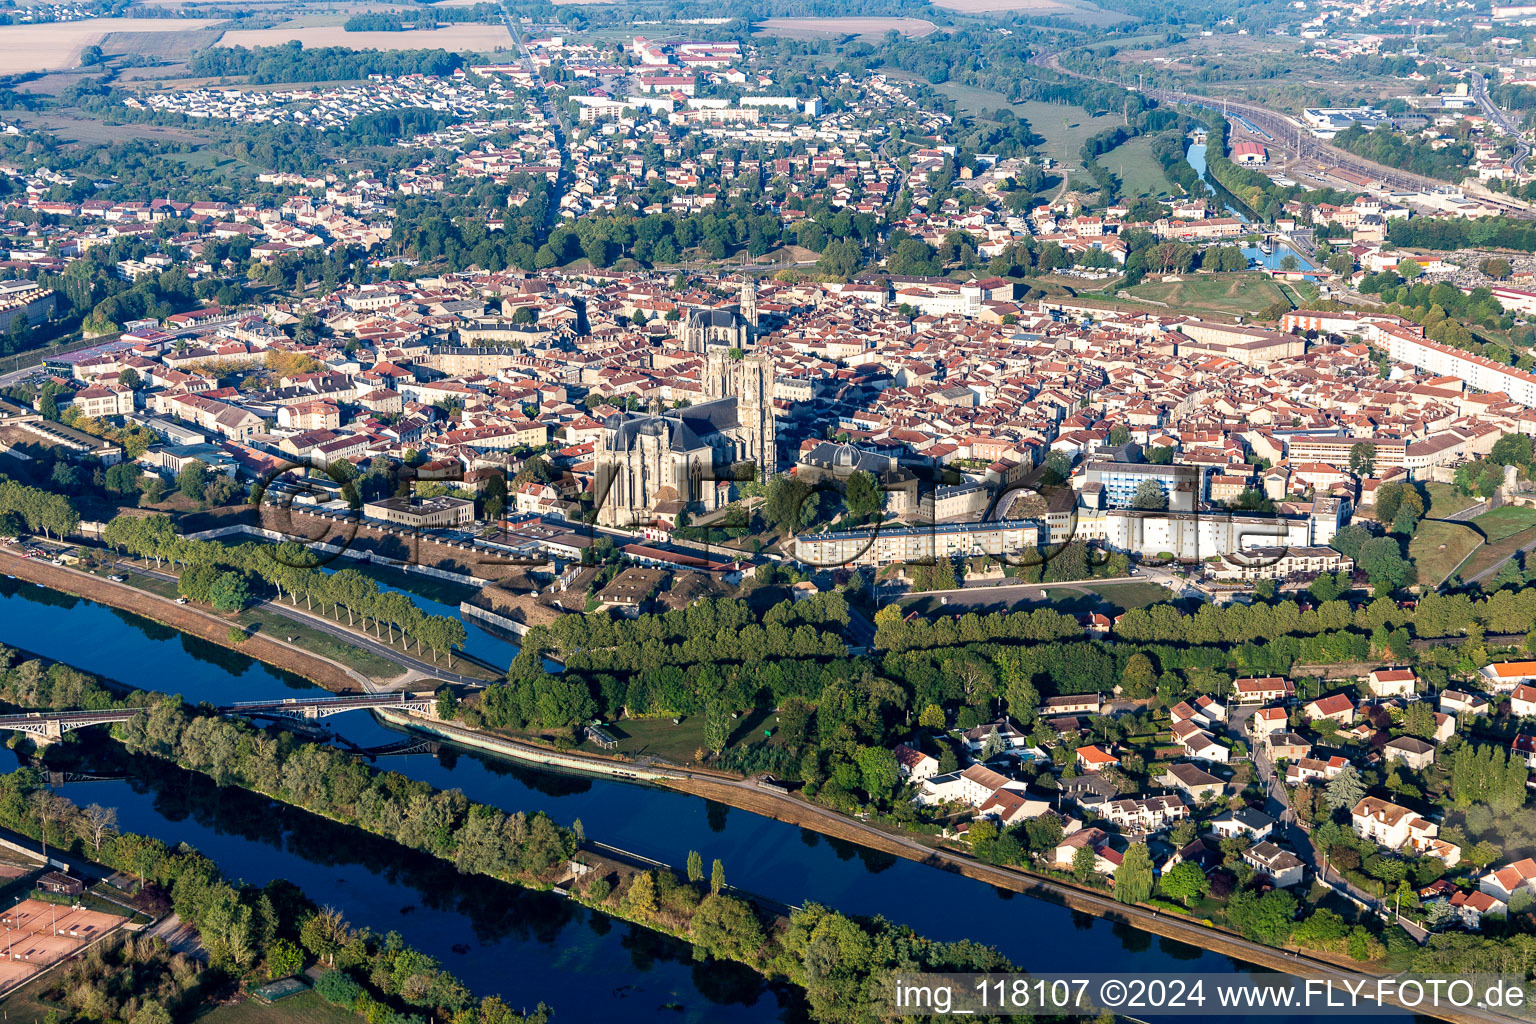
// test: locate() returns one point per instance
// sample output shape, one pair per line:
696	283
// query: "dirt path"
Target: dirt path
205	625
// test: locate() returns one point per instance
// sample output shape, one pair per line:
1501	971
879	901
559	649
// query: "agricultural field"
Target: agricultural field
1071	10
1438	548
1505	522
1230	294
810	28
50	47
467	38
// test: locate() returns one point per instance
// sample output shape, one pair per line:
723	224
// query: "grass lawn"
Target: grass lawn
1076	598
1444	501
1438	548
1241	294
1122	596
660	738
1505	522
1139	171
310	639
1064	127
303	1008
1496	551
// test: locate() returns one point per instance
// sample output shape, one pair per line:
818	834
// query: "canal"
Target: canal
526	958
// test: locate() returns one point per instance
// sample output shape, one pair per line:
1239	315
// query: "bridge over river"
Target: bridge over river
51	725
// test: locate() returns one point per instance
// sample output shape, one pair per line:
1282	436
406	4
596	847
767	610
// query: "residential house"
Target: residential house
1267	720
1263	691
1312	769
1192	780
1397	828
1504	882
1522	701
915	765
1146	814
1287	746
1505	675
1245	821
1012	737
1093	758
1279	864
1411	751
1199	744
1392	682
1465	704
1335	707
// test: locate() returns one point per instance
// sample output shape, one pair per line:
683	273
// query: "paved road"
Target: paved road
1496	114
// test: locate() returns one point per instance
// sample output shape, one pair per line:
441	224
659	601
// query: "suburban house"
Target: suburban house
1525	746
914	764
1312	769
1411	751
1468	705
1522	701
972	786
1146	814
1203	711
1106	858
1287	746
1504	676
1263	691
1011	806
1267	720
1211	708
1397	827
1012	737
1071	704
1336	707
1194	781
1504	882
1473	906
1090	791
1392	682
1199	744
1280	864
1093	758
1245	821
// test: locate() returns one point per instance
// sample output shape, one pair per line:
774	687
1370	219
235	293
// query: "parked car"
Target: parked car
115	578
181	600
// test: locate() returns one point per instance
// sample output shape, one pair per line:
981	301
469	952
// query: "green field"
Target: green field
1438	548
303	1008
658	737
1445	502
1140	174
1231	294
1505	522
1063	127
1494	552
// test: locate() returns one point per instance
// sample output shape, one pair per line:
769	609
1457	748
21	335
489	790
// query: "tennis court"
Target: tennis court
34	935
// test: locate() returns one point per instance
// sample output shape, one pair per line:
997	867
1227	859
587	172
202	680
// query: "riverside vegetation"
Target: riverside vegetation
840	961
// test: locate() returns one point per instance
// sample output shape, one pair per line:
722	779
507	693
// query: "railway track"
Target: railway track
1288	134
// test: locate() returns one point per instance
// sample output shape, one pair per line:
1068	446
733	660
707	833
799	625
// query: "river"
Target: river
581	963
1272	260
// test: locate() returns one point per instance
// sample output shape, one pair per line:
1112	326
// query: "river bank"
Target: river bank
185	618
659	821
793	810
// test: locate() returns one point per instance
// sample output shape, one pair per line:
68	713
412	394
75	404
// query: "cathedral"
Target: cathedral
660	463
